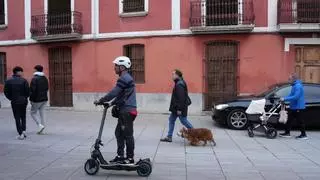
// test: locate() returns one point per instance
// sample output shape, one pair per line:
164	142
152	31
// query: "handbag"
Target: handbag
115	111
283	115
188	100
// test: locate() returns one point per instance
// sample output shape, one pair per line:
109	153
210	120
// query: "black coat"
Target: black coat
16	89
179	98
39	89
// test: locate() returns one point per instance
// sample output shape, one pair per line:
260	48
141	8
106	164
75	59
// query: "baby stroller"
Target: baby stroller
262	121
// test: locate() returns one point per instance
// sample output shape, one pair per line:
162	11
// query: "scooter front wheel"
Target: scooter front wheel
144	169
91	166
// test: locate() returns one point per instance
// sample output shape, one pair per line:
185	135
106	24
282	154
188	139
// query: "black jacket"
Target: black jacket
179	98
39	88
16	89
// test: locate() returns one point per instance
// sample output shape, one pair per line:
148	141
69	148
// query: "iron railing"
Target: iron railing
133	6
299	11
221	12
59	23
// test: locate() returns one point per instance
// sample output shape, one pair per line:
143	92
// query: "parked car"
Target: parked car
232	113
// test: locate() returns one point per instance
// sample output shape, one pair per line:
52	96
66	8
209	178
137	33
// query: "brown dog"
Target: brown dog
195	135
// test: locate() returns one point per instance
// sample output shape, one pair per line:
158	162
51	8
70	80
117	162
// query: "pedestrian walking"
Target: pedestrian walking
16	89
297	107
39	87
178	105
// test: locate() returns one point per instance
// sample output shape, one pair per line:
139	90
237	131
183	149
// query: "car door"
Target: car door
279	92
312	113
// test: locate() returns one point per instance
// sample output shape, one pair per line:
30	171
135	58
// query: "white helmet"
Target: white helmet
123	61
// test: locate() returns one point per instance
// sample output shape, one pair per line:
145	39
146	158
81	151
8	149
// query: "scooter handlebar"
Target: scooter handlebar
105	104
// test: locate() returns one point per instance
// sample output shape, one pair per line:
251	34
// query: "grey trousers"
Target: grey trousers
35	107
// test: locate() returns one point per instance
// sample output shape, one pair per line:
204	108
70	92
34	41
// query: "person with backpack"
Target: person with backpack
125	109
179	104
39	87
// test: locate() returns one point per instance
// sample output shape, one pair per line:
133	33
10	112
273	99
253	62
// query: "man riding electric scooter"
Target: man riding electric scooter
125	109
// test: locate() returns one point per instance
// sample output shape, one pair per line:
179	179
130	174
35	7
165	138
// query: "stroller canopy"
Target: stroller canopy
256	107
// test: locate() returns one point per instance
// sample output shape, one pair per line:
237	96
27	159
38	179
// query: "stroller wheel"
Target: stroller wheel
250	132
271	133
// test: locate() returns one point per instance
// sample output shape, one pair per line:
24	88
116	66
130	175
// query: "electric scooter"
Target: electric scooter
92	165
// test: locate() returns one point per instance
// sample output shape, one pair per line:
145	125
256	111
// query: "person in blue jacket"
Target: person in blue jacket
297	106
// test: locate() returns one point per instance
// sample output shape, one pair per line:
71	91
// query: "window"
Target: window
129	8
307	11
133	6
3	12
285	91
136	54
312	91
3	68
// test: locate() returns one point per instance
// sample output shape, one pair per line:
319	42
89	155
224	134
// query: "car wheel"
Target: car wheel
237	119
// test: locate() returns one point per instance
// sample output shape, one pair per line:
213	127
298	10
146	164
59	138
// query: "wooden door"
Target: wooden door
60	75
221	72
308	63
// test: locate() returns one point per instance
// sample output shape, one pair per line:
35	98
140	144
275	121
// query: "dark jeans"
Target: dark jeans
296	115
19	113
124	134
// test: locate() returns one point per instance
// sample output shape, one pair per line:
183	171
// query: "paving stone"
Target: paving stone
69	136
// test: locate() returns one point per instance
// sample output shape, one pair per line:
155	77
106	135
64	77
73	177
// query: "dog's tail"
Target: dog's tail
213	142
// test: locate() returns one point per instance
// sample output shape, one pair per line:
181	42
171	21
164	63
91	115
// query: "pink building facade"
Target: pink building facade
224	47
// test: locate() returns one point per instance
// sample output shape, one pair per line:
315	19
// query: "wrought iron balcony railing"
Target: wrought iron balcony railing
206	13
298	11
55	26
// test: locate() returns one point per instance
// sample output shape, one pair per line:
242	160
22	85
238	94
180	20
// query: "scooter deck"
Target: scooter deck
115	166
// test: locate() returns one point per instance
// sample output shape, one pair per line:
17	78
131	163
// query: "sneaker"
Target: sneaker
117	159
166	139
128	161
302	137
20	137
41	128
24	134
287	135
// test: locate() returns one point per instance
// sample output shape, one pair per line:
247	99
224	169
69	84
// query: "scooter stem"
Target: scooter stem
102	123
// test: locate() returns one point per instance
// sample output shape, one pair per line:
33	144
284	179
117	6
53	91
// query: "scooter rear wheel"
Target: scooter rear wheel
144	169
91	166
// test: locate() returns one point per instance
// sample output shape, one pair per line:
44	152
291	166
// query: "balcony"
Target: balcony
299	15
62	26
221	16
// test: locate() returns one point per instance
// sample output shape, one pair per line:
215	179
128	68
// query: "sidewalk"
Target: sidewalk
61	152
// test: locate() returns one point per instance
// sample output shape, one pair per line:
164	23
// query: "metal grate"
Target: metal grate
3	67
221	12
221	72
133	6
60	75
299	11
136	54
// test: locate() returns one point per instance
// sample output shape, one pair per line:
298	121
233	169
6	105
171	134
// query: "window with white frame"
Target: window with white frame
3	12
133	6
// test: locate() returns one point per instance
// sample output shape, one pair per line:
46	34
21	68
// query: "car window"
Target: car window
312	91
284	91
